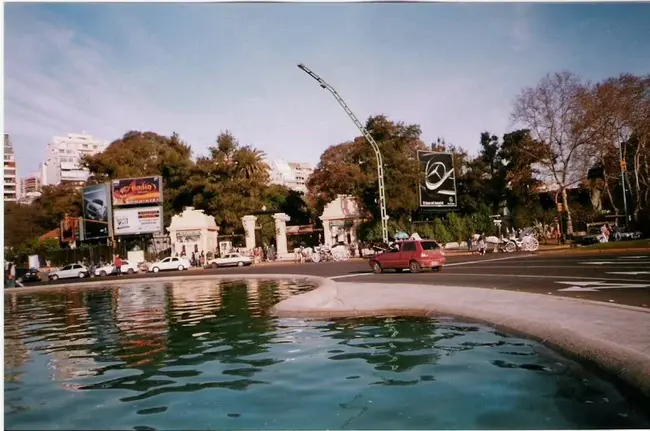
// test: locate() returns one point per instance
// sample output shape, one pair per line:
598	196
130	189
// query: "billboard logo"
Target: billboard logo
137	191
438	185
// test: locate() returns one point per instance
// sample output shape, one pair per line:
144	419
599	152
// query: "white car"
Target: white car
170	263
74	270
127	268
231	259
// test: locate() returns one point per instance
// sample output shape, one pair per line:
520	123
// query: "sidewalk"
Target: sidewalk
615	337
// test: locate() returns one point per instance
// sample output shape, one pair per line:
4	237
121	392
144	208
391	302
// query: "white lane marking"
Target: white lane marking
594	286
550	267
634	257
556	277
614	263
336	277
470	262
630	272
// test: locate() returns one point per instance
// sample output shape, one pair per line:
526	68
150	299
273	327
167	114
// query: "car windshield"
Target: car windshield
429	245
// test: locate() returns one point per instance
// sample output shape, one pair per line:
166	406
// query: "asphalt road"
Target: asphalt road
619	278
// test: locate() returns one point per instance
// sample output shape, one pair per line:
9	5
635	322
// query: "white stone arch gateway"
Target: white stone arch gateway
281	220
341	218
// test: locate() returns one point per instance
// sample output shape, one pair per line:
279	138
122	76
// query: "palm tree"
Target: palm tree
250	163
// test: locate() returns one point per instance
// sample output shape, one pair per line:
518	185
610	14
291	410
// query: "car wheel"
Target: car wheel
156	269
376	268
214	266
102	274
130	271
55	277
82	275
181	267
240	263
414	266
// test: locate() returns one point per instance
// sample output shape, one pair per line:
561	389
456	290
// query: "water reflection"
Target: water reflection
201	354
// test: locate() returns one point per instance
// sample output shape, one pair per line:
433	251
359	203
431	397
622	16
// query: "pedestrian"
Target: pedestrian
193	259
604	233
469	243
118	265
482	244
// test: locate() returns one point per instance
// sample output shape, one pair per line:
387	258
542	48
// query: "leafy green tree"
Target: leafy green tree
230	183
351	168
139	154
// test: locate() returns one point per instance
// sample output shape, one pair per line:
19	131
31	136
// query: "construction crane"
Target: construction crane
371	141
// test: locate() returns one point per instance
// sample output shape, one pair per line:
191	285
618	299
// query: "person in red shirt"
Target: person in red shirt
118	265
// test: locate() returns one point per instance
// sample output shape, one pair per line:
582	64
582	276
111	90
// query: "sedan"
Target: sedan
127	268
231	259
74	270
169	264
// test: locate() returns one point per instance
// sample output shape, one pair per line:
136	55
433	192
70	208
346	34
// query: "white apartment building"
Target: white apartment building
10	185
30	188
290	174
64	157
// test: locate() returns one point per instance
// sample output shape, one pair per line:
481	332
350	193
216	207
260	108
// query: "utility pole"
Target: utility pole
623	169
371	141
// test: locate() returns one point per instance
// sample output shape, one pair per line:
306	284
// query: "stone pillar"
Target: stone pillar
327	232
249	230
281	220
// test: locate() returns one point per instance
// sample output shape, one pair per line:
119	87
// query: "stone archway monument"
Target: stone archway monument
281	220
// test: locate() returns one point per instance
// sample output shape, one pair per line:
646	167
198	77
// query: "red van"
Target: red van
412	255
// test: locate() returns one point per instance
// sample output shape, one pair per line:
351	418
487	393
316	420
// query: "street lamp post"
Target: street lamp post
623	169
371	141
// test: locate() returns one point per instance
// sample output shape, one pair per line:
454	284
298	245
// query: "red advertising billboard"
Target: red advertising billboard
137	191
70	229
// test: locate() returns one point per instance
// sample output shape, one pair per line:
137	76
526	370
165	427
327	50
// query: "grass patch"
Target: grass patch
639	243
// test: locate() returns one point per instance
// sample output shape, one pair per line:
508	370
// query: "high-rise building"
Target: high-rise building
292	175
63	161
30	187
10	185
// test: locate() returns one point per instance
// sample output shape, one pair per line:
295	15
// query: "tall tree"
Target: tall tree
146	153
618	111
351	168
555	118
230	183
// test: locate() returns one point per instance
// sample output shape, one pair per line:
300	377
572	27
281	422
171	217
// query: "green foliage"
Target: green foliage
351	168
21	253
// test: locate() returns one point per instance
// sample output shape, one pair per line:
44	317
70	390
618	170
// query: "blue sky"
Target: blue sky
199	69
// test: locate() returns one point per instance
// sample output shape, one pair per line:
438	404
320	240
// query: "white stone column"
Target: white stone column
249	230
327	232
281	220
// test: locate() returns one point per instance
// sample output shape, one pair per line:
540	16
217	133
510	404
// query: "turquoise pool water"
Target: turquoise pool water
206	355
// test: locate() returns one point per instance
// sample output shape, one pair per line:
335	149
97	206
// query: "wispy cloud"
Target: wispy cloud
199	69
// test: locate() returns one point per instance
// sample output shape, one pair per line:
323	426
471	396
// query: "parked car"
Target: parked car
127	268
170	263
30	275
74	270
413	255
231	259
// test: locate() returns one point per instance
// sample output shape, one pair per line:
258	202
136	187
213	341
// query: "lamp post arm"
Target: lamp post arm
371	141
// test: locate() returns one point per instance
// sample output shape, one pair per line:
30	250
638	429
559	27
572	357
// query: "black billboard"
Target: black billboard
97	211
437	187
